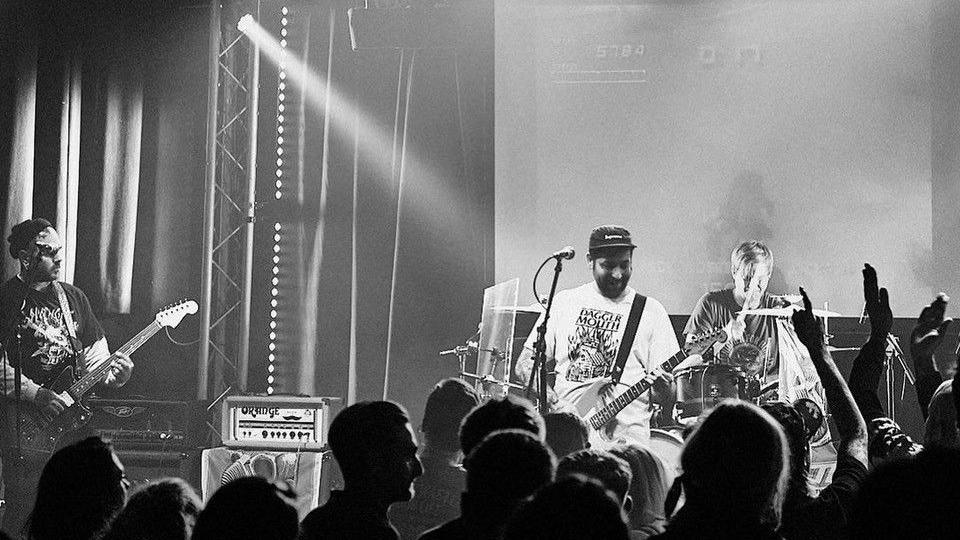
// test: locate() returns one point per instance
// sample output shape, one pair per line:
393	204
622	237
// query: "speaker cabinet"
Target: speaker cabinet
312	474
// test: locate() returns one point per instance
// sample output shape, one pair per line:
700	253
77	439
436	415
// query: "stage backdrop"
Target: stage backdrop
697	125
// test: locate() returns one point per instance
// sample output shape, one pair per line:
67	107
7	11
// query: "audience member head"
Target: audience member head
614	473
914	497
80	489
793	427
447	406
249	508
736	465
503	470
376	450
648	485
510	412
164	509
566	433
574	507
888	441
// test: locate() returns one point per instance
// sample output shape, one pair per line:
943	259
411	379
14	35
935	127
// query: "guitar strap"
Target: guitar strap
67	319
630	332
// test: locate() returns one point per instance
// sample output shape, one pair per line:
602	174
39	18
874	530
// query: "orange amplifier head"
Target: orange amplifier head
276	422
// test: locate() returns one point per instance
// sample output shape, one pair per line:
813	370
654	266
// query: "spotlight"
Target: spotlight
245	23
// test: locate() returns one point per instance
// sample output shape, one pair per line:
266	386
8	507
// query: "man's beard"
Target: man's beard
613	289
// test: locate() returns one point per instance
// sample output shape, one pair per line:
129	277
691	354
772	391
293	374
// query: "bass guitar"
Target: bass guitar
41	434
591	399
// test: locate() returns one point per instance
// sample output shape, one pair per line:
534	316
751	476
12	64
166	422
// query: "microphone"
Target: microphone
565	253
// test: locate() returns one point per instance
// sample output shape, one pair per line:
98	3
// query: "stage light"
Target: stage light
245	23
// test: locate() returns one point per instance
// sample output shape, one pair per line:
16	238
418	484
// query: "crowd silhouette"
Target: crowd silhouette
499	470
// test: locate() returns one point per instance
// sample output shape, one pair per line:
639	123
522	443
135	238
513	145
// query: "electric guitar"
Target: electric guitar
40	433
589	397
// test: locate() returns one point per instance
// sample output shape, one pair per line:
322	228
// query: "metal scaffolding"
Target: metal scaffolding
231	149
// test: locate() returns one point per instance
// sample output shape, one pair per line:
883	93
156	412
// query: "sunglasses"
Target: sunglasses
46	250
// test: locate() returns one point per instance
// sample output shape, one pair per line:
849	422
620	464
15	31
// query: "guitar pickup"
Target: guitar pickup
67	398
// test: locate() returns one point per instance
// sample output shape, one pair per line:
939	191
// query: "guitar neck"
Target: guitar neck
96	375
612	409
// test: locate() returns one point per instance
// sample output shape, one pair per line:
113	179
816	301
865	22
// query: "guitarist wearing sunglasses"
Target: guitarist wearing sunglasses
45	326
588	327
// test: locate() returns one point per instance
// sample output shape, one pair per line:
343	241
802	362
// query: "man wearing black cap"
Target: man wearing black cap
587	327
56	328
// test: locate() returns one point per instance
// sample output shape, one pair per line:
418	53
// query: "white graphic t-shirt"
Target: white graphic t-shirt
584	335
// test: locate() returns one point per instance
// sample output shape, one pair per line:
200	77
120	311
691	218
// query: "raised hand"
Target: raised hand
877	305
931	328
807	326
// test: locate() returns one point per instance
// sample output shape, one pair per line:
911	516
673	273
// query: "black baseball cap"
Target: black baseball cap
610	236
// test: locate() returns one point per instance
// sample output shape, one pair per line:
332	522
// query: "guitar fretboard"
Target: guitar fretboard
612	409
96	375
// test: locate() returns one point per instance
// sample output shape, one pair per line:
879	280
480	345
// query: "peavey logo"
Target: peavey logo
124	411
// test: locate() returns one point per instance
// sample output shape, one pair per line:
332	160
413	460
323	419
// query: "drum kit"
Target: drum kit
702	387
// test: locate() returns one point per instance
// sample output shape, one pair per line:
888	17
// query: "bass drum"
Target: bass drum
667	445
701	388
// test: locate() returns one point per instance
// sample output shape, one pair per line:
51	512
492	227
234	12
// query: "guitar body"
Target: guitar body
586	399
41	435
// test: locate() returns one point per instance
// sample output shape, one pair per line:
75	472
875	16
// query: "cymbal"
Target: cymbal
786	312
532	308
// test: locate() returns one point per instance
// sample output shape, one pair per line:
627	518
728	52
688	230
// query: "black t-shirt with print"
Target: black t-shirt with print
715	309
45	345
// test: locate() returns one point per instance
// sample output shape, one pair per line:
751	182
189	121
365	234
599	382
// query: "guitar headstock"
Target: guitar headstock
172	315
698	344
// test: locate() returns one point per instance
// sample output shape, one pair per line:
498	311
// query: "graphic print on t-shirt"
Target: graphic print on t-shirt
50	333
593	345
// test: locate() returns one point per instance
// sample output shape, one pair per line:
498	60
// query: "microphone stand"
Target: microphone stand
540	348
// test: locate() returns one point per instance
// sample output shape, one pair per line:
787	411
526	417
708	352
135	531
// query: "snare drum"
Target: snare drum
700	388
